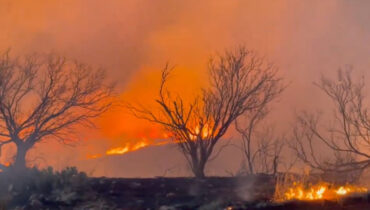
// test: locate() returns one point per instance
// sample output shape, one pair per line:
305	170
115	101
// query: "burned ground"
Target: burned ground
70	189
254	192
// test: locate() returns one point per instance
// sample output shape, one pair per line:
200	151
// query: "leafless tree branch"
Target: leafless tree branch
348	138
240	81
45	96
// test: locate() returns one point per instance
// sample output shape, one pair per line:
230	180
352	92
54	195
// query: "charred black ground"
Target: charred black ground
71	189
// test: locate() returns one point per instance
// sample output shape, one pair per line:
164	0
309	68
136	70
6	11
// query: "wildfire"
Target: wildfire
127	148
118	151
320	191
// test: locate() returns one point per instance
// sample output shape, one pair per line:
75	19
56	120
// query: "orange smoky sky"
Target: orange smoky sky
134	39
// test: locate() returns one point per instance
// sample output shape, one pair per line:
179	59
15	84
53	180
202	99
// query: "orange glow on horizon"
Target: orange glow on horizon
126	133
145	142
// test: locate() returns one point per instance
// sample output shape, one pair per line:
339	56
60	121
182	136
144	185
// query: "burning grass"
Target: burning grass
70	189
327	191
304	189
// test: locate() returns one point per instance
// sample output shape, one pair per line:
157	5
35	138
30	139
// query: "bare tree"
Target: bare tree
269	152
348	138
261	148
46	97
239	81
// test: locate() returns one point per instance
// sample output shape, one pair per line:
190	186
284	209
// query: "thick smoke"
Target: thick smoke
133	39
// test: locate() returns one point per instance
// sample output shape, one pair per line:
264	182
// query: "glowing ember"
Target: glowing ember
320	191
342	191
7	164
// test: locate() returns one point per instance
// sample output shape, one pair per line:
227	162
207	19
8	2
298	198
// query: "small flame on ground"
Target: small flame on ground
342	191
320	191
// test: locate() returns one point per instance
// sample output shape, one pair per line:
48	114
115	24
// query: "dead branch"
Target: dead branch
348	138
240	81
44	97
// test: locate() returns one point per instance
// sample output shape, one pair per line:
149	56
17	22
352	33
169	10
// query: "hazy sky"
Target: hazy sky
133	39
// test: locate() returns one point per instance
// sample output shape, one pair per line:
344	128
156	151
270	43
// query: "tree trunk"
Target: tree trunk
250	165
198	169
275	165
199	172
20	158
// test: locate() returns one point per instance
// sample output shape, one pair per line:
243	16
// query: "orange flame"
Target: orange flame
320	191
118	151
139	145
204	133
129	148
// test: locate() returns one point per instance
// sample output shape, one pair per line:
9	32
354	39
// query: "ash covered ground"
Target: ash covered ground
70	189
